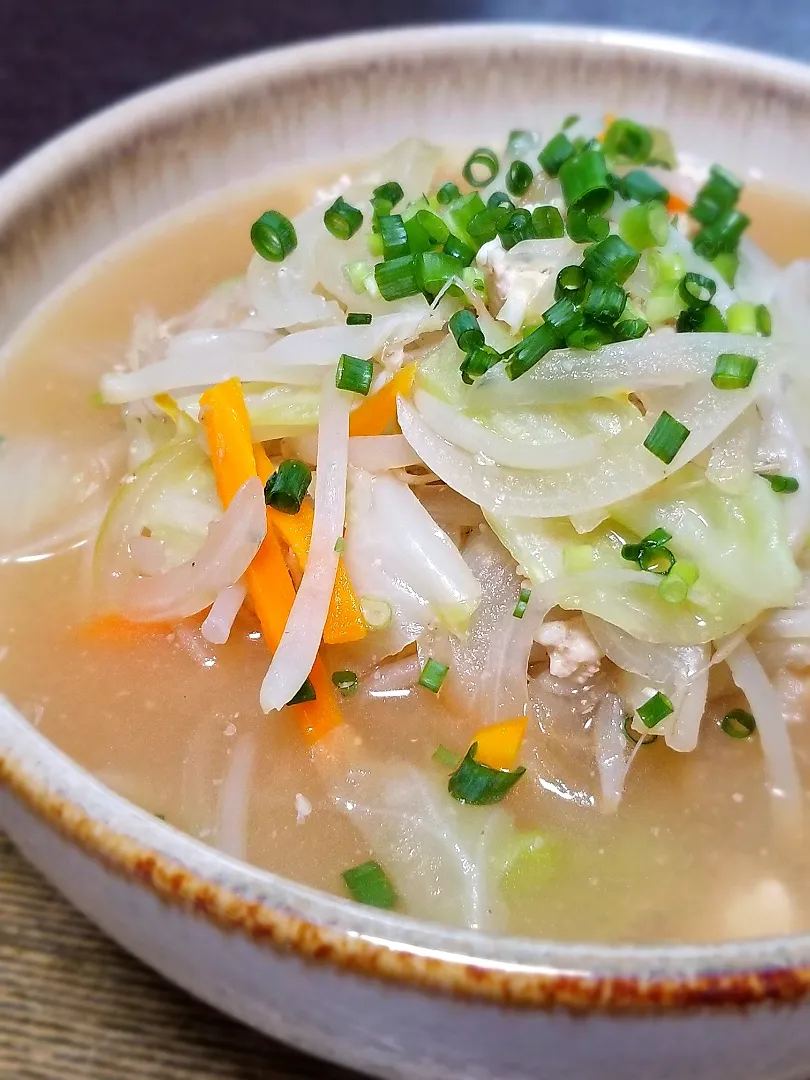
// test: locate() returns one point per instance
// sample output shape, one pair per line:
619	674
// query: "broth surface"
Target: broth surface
687	854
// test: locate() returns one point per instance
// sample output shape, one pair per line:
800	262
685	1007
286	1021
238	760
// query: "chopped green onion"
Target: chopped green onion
501	205
605	302
763	320
570	121
376	613
477	362
466	208
394	237
391	192
418	239
532	349
612	259
630	329
481	167
286	488
586	228
446	758
519	178
433	675
342	219
701	320
361	277
345	682
578	557
727	263
590	337
657	560
741	318
720	193
484	226
555	153
548	223
434	269
645	226
447	193
739	724
305	694
480	785
563	317
433	225
627	141
474	279
666	437
640	186
465	329
369	884
519	141
663	152
782	485
643	551
732	371
340	545
358	318
354	374
721	234
572	282
458	250
519	226
633	736
584	182
397	278
523	601
273	236
654	710
697	290
374	243
674	588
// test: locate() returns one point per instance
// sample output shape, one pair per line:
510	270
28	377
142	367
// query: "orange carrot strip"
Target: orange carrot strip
677	205
344	622
377	414
499	744
224	417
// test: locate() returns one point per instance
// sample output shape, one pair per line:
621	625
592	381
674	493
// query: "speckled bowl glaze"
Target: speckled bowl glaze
384	993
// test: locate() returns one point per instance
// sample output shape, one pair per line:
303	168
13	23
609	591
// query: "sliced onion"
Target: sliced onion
475	437
226	553
449	509
731	465
790	623
611	750
782	446
298	648
656	360
220	619
504	680
234	798
372	453
396	676
282	296
780	764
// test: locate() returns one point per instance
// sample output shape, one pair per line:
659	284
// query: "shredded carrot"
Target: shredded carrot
226	423
114	629
677	205
499	744
378	413
344	622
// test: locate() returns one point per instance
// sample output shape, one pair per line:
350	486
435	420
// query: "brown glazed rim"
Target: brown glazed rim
396	949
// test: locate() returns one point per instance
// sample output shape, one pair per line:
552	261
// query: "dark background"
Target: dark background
62	59
59	61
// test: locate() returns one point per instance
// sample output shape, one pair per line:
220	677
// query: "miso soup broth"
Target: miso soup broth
534	569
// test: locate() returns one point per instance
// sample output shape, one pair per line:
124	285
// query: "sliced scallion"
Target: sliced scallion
345	682
555	153
627	141
763	320
394	237
484	226
465	329
397	278
584	228
605	302
641	187
654	710
518	178
305	694
548	223
563	317
273	236
477	362
481	167
727	263
630	329
434	269
741	318
436	229
612	259
369	884
645	226
457	249
696	290
523	602
721	234
584	182
445	758
572	282
591	337
391	191
286	488
733	371
354	374
739	724
666	437
480	785
519	226
782	485
720	193
342	219
447	193
532	349
633	736
433	675
705	319
358	318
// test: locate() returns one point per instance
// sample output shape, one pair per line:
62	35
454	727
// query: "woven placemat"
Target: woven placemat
73	1006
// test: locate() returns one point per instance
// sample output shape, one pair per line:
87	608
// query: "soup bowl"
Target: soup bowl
384	993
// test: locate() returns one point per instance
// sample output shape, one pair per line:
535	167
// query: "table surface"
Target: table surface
72	1005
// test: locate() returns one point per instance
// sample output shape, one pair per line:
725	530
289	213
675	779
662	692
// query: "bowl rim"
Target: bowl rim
276	911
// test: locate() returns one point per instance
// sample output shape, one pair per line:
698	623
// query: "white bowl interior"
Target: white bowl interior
279	110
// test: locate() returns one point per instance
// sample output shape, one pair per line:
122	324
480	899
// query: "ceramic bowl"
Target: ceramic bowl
384	993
